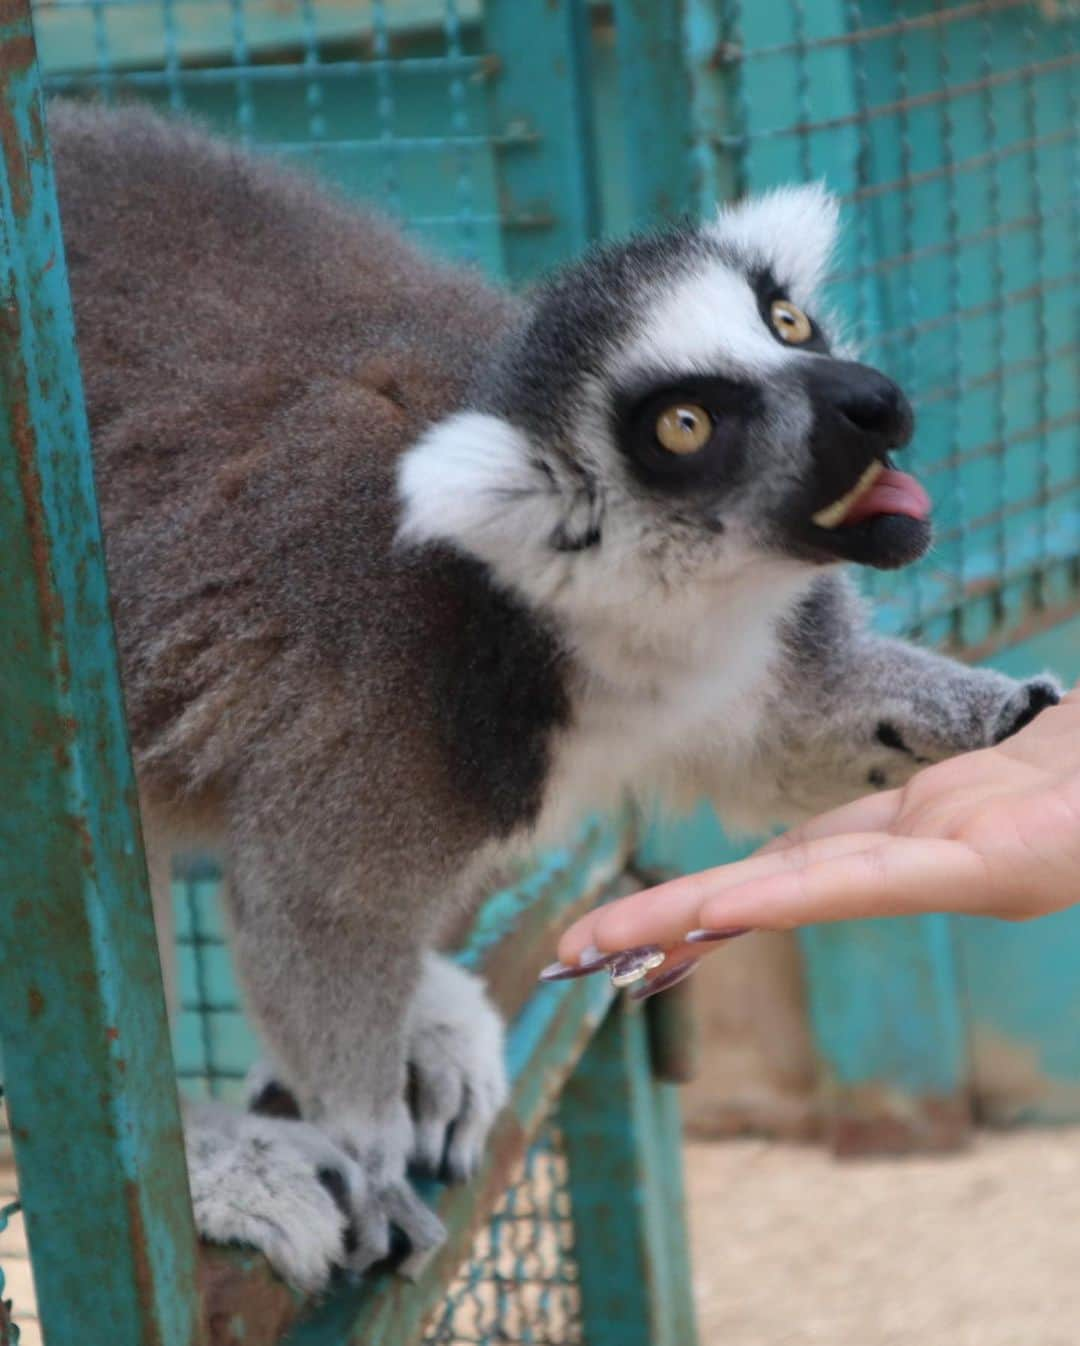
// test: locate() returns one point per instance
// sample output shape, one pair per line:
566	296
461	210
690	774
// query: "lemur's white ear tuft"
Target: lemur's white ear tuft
460	479
792	230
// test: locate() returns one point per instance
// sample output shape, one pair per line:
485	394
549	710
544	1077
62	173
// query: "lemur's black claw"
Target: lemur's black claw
1032	699
447	1170
274	1100
400	1250
334	1182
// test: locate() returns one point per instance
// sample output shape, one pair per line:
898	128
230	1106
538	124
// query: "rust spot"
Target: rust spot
86	844
35	1002
22	436
16	56
144	1278
12	12
112	1033
37	150
244	1302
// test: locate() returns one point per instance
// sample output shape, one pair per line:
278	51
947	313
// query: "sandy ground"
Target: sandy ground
793	1249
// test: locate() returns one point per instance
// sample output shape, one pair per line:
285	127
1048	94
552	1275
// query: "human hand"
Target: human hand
990	833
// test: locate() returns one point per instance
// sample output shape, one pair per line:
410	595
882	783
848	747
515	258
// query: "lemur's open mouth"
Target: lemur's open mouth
881	489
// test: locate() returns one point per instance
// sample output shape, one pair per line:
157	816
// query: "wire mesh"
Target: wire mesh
950	131
521	1284
384	97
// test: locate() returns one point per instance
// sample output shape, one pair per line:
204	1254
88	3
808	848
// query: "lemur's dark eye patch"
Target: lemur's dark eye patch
690	436
784	319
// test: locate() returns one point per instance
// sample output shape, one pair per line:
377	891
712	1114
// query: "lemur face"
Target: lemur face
679	406
735	404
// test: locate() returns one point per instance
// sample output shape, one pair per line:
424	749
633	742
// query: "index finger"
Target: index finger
663	915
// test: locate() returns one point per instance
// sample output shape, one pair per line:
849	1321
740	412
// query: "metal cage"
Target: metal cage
512	135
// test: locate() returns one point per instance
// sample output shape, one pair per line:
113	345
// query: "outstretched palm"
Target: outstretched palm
994	832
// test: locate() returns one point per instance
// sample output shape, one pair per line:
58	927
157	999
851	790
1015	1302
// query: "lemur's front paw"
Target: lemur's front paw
1027	701
392	1225
457	1071
281	1187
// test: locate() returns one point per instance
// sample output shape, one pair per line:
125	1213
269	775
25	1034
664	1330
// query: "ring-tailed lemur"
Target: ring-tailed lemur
408	573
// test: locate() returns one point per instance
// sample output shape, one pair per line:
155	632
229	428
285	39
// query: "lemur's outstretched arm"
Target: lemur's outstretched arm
854	712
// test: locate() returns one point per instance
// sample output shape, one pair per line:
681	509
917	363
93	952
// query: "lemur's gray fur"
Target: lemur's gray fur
403	583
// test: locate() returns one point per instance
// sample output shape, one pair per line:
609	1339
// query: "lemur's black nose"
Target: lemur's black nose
867	400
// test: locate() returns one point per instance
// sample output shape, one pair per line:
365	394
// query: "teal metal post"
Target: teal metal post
887	1014
542	121
88	1069
623	1139
654	105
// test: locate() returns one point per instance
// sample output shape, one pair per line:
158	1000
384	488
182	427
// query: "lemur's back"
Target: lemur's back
255	357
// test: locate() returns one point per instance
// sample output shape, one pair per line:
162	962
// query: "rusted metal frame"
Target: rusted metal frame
622	1136
89	1078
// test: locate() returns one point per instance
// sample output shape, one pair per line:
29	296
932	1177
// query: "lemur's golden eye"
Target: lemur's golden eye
684	428
790	323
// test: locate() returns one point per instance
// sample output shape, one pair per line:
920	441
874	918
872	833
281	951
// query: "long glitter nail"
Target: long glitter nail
632	965
666	980
590	961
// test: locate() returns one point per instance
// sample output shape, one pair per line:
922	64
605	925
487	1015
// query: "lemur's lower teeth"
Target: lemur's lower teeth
835	514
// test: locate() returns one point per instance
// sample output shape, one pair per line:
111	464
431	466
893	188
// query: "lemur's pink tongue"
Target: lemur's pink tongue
892	493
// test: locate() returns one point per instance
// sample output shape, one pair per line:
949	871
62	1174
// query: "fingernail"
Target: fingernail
666	980
632	965
715	936
591	960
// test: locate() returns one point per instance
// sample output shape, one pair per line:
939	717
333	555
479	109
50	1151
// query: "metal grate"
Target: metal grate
385	99
521	1284
951	132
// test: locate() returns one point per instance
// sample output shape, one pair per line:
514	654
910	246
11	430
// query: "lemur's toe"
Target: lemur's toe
1033	697
279	1186
335	1183
457	1074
